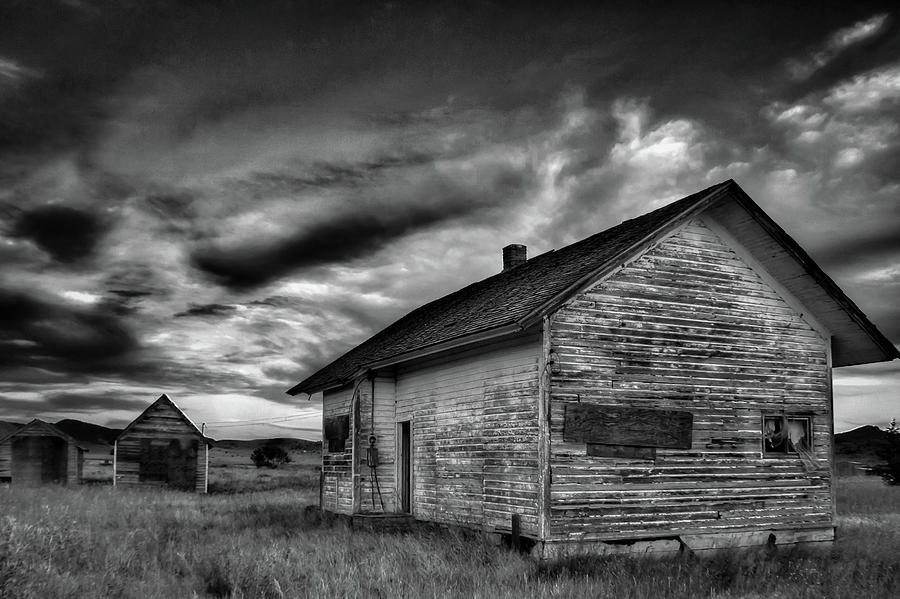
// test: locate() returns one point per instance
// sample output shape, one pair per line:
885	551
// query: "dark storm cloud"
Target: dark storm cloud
371	227
870	265
129	293
40	334
133	281
207	310
885	163
131	286
331	175
862	250
74	402
79	55
175	209
68	234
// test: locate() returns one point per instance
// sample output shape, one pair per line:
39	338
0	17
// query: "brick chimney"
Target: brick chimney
513	255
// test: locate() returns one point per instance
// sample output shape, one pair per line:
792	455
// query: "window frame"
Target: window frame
789	450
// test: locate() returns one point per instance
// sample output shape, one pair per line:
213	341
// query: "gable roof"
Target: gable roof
164	399
46	427
513	300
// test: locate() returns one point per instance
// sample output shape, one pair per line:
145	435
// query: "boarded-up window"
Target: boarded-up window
336	431
786	435
639	427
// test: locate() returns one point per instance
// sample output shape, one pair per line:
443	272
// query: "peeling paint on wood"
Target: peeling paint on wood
688	327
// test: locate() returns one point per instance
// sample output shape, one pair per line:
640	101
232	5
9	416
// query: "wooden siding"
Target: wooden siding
337	467
5	460
35	457
475	435
372	495
161	449
688	326
854	340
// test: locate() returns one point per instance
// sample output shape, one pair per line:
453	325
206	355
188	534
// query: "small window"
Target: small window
787	435
336	430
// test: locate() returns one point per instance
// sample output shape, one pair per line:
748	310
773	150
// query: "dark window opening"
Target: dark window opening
787	435
336	431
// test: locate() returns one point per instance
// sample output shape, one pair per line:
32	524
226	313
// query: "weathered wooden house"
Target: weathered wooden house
162	448
663	384
39	453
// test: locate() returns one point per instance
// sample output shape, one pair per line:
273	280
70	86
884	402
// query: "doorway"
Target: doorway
405	461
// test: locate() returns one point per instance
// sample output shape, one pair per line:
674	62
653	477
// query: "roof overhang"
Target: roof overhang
854	338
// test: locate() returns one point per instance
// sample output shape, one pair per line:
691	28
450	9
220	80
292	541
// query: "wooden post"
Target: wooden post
543	445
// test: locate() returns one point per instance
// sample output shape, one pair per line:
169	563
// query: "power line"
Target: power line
227	423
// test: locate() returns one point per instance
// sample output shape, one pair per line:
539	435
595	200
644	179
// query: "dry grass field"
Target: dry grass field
252	537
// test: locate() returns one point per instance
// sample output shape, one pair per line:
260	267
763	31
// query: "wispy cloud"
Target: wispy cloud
13	73
836	43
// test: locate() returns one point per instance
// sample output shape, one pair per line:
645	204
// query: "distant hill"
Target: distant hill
286	444
861	444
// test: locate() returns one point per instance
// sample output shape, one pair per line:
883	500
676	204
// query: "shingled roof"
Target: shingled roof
517	298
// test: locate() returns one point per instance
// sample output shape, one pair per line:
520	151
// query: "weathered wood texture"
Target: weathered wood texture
688	326
700	543
588	423
5	461
378	495
161	449
337	467
34	456
474	435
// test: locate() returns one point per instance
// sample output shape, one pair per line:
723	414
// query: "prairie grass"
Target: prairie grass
96	541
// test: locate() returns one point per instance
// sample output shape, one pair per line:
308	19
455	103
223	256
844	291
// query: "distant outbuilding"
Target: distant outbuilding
162	448
39	453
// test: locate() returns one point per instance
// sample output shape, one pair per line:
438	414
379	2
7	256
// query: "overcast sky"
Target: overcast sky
213	202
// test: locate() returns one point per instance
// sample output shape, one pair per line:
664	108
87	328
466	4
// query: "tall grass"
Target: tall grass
104	542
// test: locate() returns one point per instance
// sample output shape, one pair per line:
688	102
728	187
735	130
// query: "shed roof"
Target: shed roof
515	299
46	428
164	399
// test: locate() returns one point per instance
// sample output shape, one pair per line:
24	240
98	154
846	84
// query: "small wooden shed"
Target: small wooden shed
162	448
663	384
39	453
